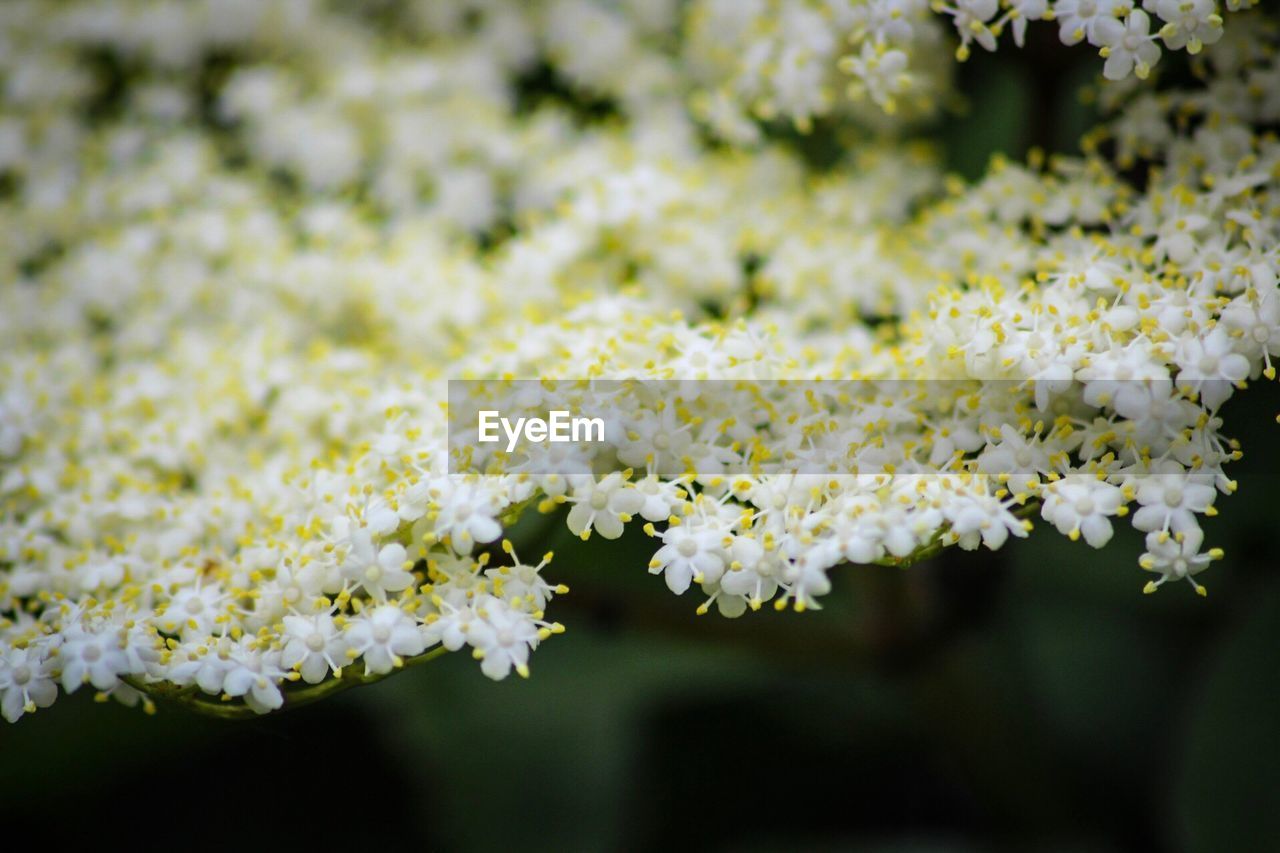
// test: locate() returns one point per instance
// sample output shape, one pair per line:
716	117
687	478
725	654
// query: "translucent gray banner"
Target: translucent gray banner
1017	430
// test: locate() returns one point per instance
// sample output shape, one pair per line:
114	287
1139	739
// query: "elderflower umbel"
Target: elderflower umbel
226	474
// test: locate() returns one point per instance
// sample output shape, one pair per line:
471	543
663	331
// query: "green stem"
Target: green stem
294	697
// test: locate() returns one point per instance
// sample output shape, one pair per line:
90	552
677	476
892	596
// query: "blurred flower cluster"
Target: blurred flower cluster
245	244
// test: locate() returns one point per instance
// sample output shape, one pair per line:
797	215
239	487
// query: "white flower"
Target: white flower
313	646
1156	414
983	519
752	574
971	18
416	500
384	637
1128	47
502	638
1253	319
449	625
1080	506
1171	498
193	612
255	675
1081	19
26	681
804	580
605	505
522	585
380	571
691	551
1120	376
881	71
86	657
1177	557
658	442
206	666
1023	462
1191	23
1210	367
467	515
661	497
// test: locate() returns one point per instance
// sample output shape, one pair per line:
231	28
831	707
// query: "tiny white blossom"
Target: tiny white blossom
1211	366
604	505
313	646
1128	47
690	552
89	657
502	638
1081	506
383	636
1177	557
26	681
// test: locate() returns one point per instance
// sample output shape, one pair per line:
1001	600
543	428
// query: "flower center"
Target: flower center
1209	364
687	548
381	634
599	500
195	605
1084	506
1173	496
21	675
91	653
315	641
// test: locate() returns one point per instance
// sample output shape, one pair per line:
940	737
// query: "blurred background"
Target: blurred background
1030	699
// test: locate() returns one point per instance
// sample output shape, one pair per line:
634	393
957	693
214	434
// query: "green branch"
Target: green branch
228	708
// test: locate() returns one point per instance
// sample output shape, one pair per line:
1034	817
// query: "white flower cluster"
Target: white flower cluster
768	59
244	244
1121	29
